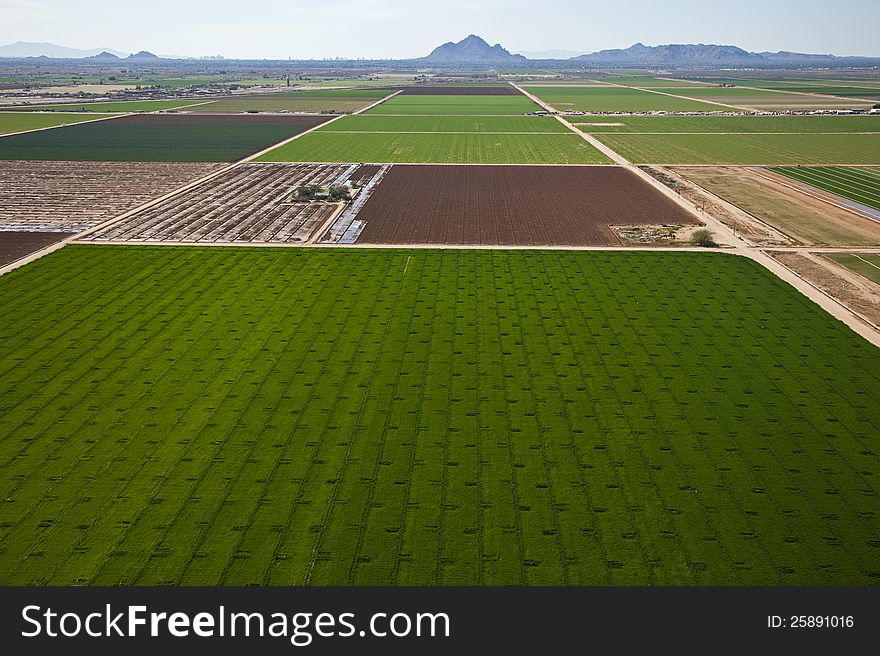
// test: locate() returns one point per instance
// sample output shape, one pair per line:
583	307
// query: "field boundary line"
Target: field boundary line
384	246
741	247
174	109
730	207
324	227
375	104
875	339
110	222
674	95
814	95
806	192
63	125
563	134
856	255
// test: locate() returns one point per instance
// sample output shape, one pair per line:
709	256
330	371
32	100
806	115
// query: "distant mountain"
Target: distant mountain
143	55
104	57
471	50
702	55
21	49
548	54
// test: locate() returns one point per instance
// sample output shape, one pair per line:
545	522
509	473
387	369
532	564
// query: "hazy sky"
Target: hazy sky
411	28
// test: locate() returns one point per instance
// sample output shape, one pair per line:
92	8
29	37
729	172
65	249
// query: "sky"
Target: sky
278	29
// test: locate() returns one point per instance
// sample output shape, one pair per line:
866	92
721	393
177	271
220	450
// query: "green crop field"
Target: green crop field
106	107
378	123
766	98
730	124
438	149
650	82
338	101
614	99
19	122
866	264
303	416
119	141
456	105
859	184
751	149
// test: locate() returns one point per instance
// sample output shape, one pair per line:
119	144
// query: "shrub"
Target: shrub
702	237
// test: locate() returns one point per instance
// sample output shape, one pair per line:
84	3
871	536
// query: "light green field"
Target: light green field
865	264
752	149
20	121
771	99
289	416
455	105
614	99
860	185
735	124
650	82
329	101
105	107
437	149
377	123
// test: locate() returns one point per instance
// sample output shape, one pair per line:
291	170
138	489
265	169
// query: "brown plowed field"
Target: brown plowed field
73	196
15	245
365	172
505	90
222	120
247	204
512	205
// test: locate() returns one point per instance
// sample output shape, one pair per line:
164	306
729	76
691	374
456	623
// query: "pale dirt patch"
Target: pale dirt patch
746	226
845	286
807	219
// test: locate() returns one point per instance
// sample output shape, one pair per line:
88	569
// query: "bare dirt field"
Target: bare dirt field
770	197
74	196
505	90
512	205
852	290
248	204
14	245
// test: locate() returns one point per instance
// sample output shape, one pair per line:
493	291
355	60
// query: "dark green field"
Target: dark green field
124	106
157	138
304	416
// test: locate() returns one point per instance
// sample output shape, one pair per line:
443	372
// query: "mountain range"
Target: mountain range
21	49
474	51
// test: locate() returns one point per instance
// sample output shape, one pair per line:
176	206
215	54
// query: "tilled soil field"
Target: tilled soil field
505	90
15	245
248	204
74	196
512	205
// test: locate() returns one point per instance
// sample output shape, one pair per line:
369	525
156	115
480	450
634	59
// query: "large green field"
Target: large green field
106	107
377	123
473	148
121	141
730	124
751	149
303	416
860	184
20	122
455	105
337	101
614	99
866	264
